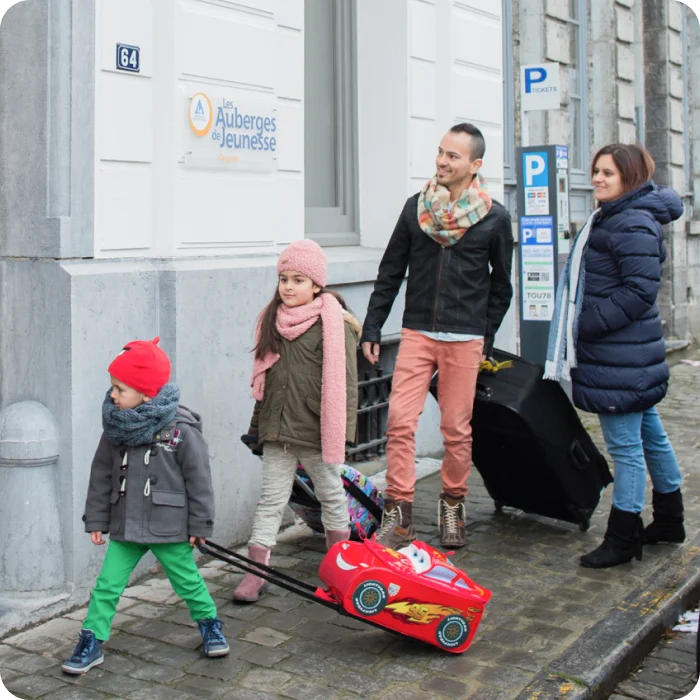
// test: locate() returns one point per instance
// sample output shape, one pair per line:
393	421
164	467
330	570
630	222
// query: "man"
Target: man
457	244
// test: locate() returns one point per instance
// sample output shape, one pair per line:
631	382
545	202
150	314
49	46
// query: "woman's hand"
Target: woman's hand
193	541
96	537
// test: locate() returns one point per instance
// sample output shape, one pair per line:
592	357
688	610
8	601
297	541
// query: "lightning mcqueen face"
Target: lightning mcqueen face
415	591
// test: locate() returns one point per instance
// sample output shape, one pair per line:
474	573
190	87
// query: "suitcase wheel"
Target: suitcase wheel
498	505
583	526
369	598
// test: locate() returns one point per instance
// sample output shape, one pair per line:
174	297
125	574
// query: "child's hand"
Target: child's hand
96	537
193	541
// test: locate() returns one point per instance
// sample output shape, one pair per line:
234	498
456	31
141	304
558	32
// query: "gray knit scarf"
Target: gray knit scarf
563	329
137	426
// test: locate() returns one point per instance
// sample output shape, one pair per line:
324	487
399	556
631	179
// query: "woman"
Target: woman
607	338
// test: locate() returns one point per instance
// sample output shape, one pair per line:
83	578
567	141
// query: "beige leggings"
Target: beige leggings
279	466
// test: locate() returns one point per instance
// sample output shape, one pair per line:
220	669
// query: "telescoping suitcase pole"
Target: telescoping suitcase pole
289	583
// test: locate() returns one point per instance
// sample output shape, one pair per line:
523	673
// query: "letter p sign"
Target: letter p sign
534	76
535	166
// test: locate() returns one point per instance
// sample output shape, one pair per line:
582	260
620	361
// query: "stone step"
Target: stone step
676	345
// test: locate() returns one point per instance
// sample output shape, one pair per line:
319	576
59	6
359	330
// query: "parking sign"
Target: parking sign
539	86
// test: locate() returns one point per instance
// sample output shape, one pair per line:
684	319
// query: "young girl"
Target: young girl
305	386
150	488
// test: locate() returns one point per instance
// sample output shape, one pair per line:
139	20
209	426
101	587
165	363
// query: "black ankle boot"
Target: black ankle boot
622	542
667	525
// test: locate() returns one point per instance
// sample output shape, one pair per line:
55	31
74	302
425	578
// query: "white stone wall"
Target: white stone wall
455	75
147	201
422	65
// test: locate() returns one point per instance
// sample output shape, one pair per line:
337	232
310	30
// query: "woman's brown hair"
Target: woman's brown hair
270	338
633	161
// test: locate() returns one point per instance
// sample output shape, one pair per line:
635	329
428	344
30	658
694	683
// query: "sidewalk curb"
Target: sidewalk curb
588	670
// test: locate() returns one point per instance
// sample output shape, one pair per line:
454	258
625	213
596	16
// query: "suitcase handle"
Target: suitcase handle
483	391
578	455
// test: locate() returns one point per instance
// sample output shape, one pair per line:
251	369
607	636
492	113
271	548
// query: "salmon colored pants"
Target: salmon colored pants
458	367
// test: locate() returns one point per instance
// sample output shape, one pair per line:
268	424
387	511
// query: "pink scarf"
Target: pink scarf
292	323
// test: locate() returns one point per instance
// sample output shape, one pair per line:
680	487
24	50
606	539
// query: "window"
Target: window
578	92
330	182
508	109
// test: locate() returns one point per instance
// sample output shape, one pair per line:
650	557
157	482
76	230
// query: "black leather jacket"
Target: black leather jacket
464	288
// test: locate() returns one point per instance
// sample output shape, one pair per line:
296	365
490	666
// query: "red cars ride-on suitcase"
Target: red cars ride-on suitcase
415	591
530	447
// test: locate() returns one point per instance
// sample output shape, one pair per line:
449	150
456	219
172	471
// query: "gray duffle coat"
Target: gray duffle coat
156	493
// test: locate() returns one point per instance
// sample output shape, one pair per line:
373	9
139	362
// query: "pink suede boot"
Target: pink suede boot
333	536
252	587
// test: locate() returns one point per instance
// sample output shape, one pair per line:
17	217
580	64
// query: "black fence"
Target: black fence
374	388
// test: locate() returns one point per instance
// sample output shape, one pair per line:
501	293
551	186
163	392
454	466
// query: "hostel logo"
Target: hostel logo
230	131
201	114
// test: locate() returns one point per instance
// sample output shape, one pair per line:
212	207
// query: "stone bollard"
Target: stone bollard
31	556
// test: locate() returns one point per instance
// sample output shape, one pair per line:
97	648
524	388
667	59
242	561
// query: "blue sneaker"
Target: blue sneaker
215	643
87	653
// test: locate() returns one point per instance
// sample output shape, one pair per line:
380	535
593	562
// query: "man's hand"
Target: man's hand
96	537
371	352
193	541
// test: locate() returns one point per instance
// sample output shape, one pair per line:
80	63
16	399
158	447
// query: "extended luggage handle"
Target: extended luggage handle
578	455
483	391
289	583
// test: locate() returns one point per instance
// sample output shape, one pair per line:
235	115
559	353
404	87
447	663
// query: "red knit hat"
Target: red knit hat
143	366
307	257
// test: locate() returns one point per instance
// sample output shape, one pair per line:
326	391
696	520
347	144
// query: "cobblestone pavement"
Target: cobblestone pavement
668	673
552	628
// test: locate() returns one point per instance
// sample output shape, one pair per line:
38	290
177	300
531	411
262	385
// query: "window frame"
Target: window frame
579	177
338	225
509	172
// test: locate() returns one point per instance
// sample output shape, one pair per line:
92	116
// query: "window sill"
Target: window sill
352	264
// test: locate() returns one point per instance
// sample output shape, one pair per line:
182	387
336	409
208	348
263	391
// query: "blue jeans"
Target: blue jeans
637	442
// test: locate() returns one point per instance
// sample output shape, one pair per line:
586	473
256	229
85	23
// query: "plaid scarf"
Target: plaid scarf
446	224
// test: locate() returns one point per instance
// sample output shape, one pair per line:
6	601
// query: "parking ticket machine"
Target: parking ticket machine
544	240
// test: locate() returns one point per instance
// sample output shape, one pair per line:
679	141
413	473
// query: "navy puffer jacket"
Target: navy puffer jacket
620	350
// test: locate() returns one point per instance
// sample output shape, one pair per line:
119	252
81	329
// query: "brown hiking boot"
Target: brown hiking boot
396	529
451	517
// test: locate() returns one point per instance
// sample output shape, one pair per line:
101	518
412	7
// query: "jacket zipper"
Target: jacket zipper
437	293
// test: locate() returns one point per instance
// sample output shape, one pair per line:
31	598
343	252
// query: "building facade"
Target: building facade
629	71
156	157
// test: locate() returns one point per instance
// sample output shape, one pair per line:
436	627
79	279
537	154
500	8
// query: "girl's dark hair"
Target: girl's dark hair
269	335
633	161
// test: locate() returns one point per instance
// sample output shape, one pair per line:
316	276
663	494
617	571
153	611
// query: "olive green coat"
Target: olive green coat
291	408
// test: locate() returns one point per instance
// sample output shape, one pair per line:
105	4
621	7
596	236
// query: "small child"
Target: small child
150	488
305	386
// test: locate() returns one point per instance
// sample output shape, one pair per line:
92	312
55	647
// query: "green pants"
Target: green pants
177	559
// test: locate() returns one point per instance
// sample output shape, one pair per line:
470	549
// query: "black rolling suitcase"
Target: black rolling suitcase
530	447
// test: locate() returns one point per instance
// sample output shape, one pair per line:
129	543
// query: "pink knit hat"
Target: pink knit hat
307	257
